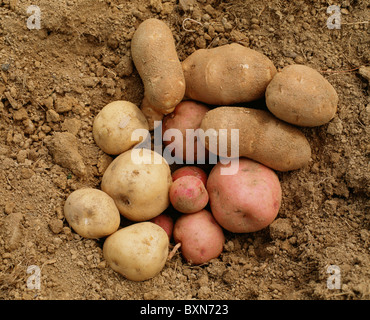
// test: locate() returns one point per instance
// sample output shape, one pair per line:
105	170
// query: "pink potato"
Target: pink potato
187	115
200	236
164	221
190	171
188	194
247	201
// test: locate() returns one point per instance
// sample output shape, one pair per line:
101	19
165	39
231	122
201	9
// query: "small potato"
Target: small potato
138	180
138	252
190	171
188	194
154	54
247	201
201	238
114	125
301	96
165	222
187	116
91	213
262	137
227	75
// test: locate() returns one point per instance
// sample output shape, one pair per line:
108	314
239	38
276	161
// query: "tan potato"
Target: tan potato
262	137
114	125
138	252
227	74
138	180
301	96
154	54
91	213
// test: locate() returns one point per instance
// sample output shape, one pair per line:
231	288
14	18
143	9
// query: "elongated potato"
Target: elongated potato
227	74
154	54
301	96
262	137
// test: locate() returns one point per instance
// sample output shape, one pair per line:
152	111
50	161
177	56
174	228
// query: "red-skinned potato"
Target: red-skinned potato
164	221
188	194
190	171
247	201
187	115
200	236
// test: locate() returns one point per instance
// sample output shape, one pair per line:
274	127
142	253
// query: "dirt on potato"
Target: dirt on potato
53	82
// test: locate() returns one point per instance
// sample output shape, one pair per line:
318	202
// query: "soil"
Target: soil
54	80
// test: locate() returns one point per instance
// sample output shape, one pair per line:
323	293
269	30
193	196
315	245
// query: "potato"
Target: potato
154	54
150	114
301	96
186	116
114	125
190	171
188	194
201	237
91	213
227	74
138	180
247	201
165	222
138	252
262	137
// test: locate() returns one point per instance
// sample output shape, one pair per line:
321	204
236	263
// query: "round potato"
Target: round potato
188	194
138	252
190	171
262	137
114	124
247	201
187	116
138	180
201	237
91	213
227	75
155	57
301	96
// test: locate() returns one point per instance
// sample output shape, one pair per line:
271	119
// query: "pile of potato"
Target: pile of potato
204	91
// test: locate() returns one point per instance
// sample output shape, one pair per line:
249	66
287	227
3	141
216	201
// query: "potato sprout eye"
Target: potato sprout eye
126	201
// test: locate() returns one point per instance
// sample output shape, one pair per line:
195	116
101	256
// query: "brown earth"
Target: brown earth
56	79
